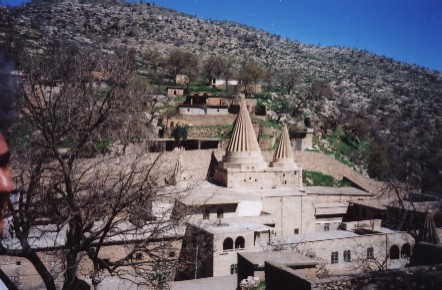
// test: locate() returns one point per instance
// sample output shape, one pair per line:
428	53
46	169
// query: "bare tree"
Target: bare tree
183	62
156	61
72	103
213	67
250	74
228	70
179	61
288	79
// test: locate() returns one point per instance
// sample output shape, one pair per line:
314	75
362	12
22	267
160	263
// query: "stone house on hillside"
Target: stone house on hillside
221	84
204	103
175	91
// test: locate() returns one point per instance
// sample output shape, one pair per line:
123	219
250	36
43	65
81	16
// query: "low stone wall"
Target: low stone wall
317	161
282	277
209	132
202	120
424	277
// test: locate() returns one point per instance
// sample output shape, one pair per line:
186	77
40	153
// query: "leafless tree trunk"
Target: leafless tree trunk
72	103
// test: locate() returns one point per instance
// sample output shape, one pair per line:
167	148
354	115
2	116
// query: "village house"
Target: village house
175	92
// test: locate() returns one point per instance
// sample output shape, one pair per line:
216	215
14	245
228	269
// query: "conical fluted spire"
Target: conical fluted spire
284	149
283	155
243	137
243	148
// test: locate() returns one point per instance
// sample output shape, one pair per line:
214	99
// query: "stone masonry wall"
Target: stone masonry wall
428	278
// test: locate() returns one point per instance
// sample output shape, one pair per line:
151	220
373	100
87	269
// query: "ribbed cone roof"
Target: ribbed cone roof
428	233
284	149
243	137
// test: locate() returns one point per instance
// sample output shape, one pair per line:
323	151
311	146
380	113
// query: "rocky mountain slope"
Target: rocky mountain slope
402	103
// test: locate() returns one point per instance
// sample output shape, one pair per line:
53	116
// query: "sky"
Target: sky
405	30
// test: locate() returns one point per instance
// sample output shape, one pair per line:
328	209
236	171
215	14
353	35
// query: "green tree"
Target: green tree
180	133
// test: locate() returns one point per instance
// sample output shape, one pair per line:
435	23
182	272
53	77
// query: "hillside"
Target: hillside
402	103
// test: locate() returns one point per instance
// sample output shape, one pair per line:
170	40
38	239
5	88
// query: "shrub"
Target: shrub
180	133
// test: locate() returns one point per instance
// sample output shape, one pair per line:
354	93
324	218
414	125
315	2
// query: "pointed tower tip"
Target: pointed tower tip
243	138
243	147
283	156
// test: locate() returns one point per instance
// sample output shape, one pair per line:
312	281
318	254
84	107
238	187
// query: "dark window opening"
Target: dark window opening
220	213
233	268
347	256
334	258
228	244
394	252
326	227
406	251
370	253
206	214
239	243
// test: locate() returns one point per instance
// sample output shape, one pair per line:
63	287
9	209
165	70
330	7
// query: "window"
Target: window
233	268
220	213
406	251
370	253
239	243
334	257
326	227
296	231
394	252
228	244
347	256
206	214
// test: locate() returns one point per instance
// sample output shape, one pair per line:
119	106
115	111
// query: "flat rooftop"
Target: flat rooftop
323	190
419	206
288	258
214	283
330	235
206	193
230	226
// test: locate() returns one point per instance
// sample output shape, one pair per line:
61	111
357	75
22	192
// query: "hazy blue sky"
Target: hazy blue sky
406	30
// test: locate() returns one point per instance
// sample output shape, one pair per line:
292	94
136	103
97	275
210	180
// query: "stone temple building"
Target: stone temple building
256	206
243	165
